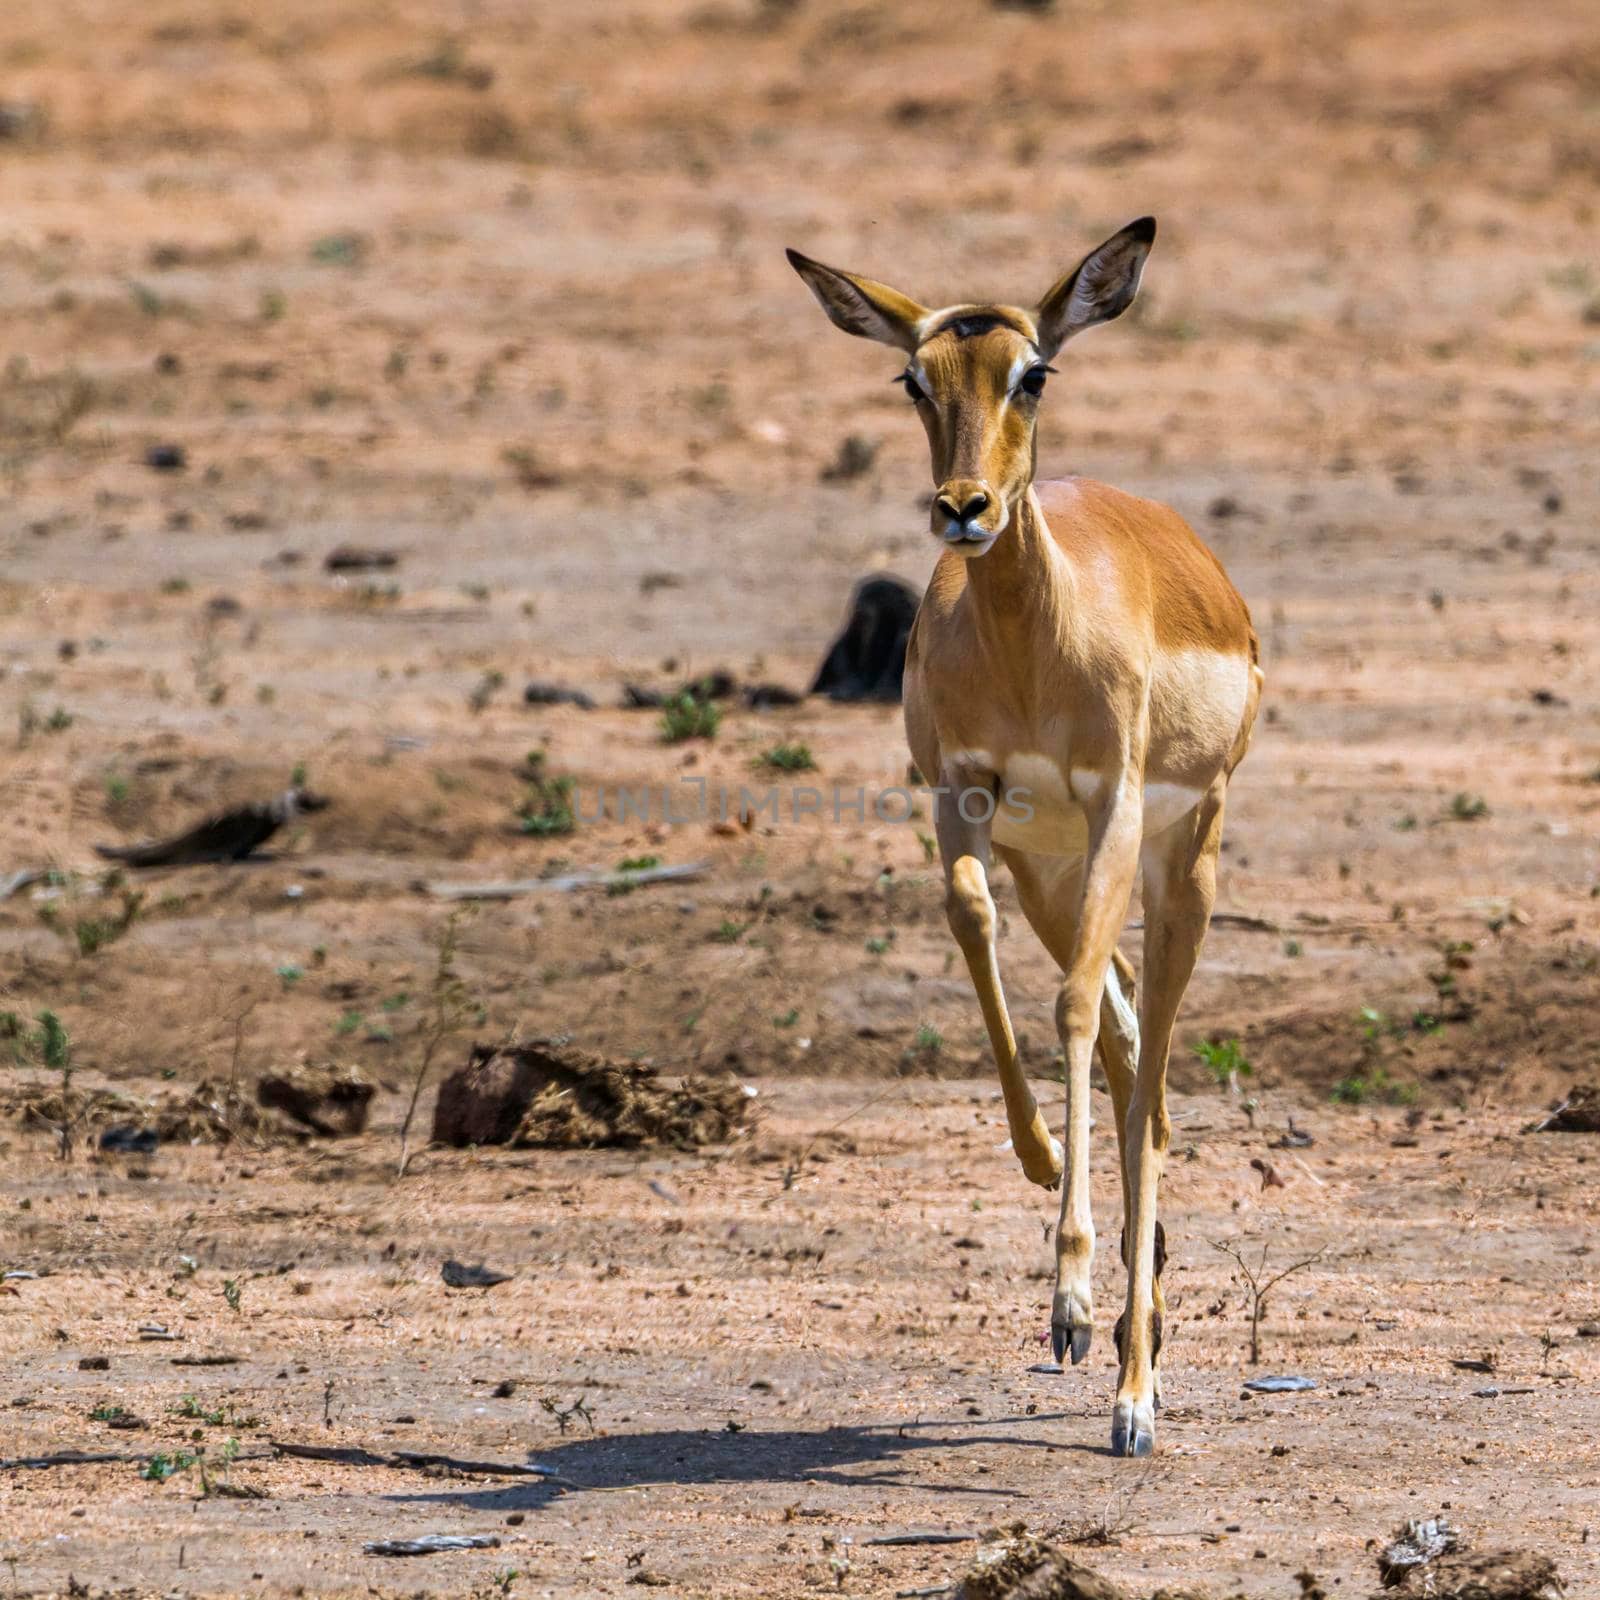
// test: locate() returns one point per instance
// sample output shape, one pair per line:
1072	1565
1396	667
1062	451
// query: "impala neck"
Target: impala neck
1023	576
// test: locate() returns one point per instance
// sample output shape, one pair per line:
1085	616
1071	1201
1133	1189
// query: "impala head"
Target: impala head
977	373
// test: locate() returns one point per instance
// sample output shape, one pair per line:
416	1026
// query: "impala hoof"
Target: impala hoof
1133	1429
1073	1340
1045	1172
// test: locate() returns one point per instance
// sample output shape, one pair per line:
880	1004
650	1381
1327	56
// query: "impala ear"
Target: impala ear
860	306
1100	287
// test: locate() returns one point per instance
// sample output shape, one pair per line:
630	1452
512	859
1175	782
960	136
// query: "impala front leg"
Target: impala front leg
1107	884
964	848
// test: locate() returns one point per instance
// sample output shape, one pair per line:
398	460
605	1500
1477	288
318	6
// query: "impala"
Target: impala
1080	659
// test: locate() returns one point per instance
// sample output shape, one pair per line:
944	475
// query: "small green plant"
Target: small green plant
109	1414
289	974
632	864
1292	949
58	721
179	585
788	1018
879	945
930	847
1225	1061
546	808
728	932
788	758
166	1464
1466	807
929	1041
53	1046
233	1293
91	934
686	717
116	792
1373	1084
189	1406
348	1023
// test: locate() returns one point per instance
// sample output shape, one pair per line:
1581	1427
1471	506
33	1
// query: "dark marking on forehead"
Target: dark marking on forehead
970	324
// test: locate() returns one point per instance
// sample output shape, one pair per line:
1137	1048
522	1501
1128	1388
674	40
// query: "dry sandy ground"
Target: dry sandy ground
501	286
819	1335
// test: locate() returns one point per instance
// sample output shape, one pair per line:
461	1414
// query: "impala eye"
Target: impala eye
913	390
1033	381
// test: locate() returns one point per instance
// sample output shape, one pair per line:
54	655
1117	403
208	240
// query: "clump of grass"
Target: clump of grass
632	864
1466	807
788	758
1373	1084
1225	1061
91	934
546	807
687	717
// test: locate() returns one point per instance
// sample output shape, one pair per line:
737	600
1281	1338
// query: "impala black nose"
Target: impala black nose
974	505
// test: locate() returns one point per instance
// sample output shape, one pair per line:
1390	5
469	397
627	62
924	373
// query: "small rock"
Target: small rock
359	558
166	458
94	1363
457	1275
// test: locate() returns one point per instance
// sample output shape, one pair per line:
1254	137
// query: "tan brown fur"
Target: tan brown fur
1082	648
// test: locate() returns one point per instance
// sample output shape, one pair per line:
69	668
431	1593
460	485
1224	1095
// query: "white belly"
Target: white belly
1040	810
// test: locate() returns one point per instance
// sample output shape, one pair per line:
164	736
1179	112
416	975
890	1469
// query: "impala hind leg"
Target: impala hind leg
964	849
1180	880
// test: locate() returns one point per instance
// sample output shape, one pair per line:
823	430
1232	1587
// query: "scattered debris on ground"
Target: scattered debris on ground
125	1139
550	1093
229	836
1578	1113
710	686
457	1275
868	659
556	694
431	1543
1016	1565
333	1101
1490	1575
360	558
1414	1544
513	888
208	1114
